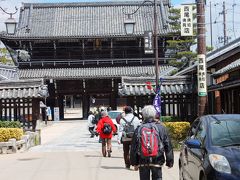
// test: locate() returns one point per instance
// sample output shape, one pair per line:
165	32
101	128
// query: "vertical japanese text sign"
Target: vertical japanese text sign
148	45
186	20
202	76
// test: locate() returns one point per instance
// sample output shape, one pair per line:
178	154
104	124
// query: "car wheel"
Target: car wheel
181	173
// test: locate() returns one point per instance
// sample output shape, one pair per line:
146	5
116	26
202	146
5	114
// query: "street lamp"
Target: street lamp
11	24
129	28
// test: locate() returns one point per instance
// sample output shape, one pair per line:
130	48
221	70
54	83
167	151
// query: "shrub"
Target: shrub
10	124
169	119
8	133
177	131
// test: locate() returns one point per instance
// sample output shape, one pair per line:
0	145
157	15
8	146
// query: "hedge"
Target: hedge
9	133
10	124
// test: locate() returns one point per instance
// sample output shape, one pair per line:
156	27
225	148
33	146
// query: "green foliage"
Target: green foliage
176	63
173	72
9	133
209	48
169	119
189	55
10	124
4	58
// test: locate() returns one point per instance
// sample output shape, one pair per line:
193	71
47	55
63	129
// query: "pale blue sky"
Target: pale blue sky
232	6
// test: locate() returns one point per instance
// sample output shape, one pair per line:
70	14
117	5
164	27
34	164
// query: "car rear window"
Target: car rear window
225	132
113	115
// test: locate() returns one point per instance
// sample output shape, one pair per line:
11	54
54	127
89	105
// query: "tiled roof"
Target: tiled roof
100	72
95	19
8	72
23	89
170	85
230	67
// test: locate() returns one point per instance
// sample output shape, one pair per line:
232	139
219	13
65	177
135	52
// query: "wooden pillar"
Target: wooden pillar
232	101
83	49
140	51
35	112
113	95
61	107
111	52
218	102
85	101
131	101
55	50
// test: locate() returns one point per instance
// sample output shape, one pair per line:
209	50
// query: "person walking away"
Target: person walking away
128	124
150	153
106	128
99	117
91	123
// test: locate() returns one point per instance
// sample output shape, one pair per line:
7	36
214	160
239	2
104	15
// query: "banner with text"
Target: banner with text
202	75
186	20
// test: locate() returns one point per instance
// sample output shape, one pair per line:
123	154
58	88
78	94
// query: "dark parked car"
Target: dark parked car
211	150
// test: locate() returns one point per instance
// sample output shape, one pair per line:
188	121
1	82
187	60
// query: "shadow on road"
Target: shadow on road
114	157
111	167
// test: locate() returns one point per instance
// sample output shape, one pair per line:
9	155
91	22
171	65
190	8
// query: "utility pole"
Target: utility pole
201	51
224	24
211	33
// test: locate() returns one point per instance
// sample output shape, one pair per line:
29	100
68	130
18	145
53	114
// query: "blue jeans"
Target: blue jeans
144	173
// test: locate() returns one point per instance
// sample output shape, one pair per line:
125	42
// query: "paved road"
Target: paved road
67	153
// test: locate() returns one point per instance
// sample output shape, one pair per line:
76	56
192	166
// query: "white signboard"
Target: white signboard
202	75
56	114
186	20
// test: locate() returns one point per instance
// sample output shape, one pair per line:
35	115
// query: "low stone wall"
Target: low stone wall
29	139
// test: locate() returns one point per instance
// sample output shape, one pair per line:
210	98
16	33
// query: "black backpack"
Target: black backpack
129	128
107	129
94	120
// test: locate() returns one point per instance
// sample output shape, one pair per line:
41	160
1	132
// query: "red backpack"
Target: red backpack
150	143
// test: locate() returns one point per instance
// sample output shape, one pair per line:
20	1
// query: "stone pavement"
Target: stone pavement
67	153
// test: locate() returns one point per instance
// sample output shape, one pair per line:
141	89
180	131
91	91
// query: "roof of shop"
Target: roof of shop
22	89
169	85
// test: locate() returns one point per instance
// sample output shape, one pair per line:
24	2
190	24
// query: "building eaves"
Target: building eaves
234	65
96	73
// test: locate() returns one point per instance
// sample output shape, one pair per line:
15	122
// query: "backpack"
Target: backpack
94	120
129	128
107	129
150	144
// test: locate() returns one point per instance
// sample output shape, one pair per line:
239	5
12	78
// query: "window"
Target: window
201	132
